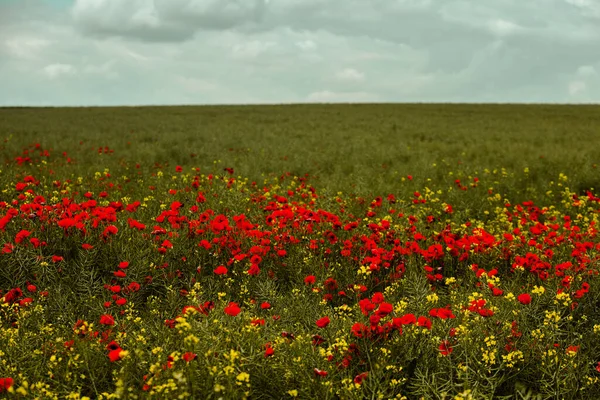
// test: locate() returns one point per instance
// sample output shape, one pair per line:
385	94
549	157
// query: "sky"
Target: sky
138	52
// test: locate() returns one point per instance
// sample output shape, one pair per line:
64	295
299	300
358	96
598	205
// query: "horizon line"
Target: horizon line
301	104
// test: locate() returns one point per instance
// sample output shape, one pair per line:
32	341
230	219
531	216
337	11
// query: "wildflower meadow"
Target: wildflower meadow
311	252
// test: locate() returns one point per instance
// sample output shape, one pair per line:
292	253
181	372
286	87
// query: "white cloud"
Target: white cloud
327	96
306	45
54	71
106	69
251	49
27	47
586	71
215	14
195	85
147	17
350	75
580	3
576	87
587	8
502	27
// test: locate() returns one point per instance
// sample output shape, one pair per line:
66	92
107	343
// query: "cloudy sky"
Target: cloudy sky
127	52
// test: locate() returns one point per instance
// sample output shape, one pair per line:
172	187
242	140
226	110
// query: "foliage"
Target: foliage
381	251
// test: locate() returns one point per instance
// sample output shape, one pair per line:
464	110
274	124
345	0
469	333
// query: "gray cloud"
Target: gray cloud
264	51
135	18
163	20
213	14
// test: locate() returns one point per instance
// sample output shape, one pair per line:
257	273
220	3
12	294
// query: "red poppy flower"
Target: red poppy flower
107	319
377	298
112	345
366	306
572	349
424	321
13	295
5	384
8	248
115	288
170	323
158	230
189	356
484	312
206	307
269	350
115	355
358	379
21	236
384	309
408	319
524	298
119	274
317	340
319	372
309	280
25	301
442	313
254	270
220	270
110	230
232	309
445	348
330	284
359	330
323	322
265	305
374	319
135	224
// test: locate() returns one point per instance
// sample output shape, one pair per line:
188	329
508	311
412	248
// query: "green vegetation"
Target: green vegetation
272	252
360	148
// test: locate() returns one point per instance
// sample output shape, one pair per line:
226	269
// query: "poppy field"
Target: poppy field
311	252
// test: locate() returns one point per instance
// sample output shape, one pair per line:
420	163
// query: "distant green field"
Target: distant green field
362	148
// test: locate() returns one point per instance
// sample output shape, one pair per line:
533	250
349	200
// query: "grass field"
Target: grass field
309	251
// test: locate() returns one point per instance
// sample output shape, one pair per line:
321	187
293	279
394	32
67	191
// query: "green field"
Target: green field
361	148
369	215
